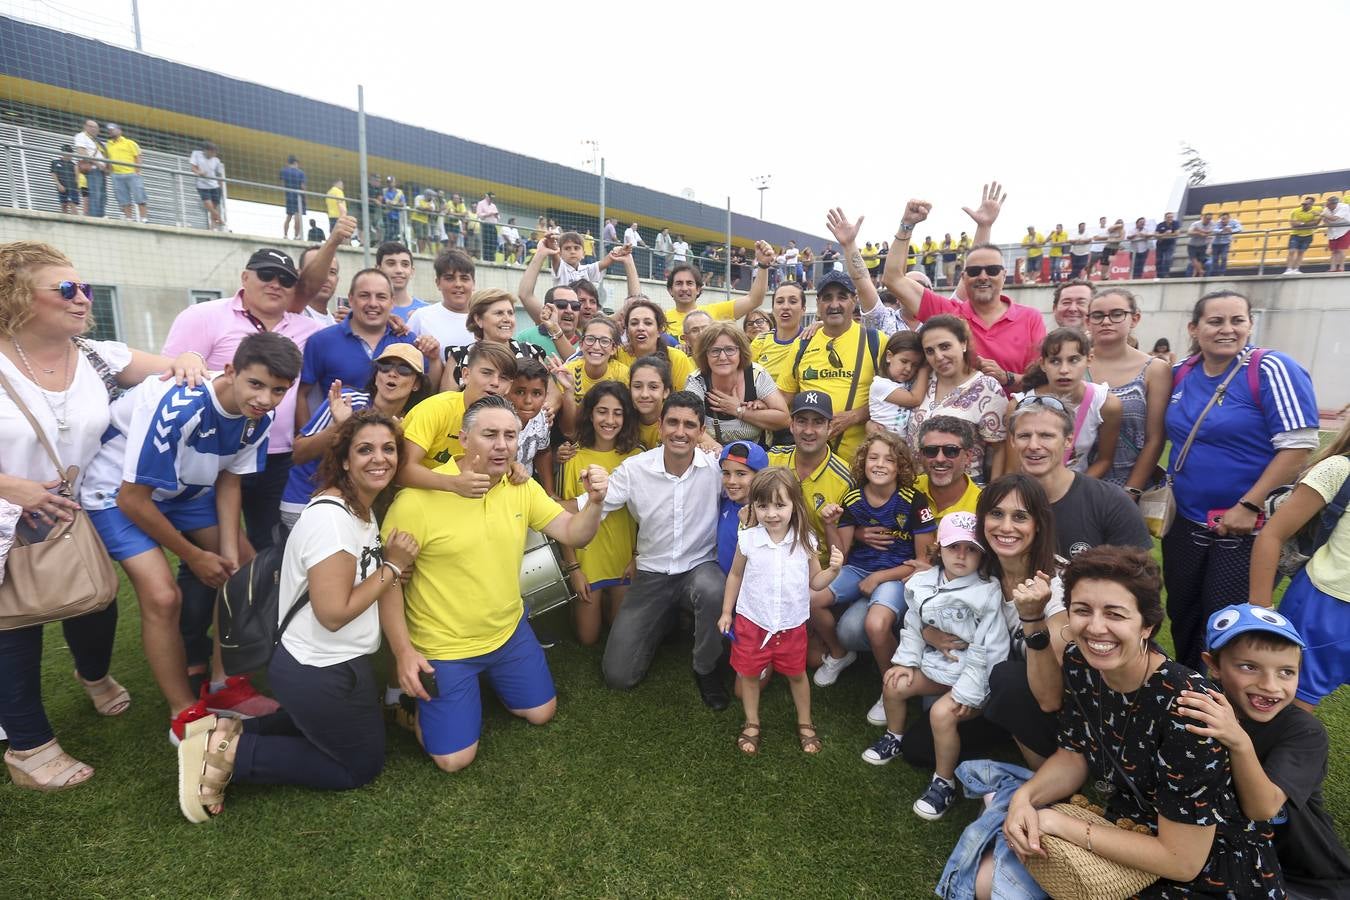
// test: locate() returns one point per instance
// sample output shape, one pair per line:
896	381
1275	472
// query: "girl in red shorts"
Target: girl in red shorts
769	589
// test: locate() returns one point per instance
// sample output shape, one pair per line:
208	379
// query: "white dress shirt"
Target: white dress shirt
676	516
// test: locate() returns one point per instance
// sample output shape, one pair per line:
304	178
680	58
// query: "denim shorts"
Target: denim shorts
890	594
129	189
1300	241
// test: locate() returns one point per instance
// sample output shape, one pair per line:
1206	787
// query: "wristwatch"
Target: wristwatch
1250	506
1037	640
905	228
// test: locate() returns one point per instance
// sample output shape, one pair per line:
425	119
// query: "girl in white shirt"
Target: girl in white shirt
1066	354
769	590
893	396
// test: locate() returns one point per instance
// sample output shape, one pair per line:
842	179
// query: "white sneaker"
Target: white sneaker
877	714
3	736
1291	271
830	668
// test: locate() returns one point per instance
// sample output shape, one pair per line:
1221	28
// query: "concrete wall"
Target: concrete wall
155	268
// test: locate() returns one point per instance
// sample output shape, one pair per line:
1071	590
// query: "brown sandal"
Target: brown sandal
746	742
23	769
810	742
195	753
109	697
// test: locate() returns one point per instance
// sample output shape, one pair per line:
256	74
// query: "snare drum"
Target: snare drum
543	586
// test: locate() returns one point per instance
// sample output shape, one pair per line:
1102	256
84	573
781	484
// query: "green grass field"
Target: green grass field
639	794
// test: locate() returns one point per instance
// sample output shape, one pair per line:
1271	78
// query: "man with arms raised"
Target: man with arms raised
685	283
461	614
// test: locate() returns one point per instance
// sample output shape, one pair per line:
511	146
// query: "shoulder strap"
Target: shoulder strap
105	372
797	361
1254	374
303	599
1331	515
1195	429
1089	392
866	339
41	435
751	395
1183	370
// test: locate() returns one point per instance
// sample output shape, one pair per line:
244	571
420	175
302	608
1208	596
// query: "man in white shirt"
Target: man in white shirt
486	210
512	248
91	163
1336	216
680	248
665	249
208	168
448	321
672	492
633	238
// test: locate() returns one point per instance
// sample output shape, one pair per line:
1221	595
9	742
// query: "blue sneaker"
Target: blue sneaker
883	751
936	800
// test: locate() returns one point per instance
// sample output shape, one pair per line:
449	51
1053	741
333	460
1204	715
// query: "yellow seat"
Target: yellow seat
1212	208
1244	260
1248	206
1268	203
1248	243
1230	206
1289	202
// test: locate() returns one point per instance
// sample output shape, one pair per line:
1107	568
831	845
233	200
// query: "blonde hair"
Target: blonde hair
479	302
18	261
705	342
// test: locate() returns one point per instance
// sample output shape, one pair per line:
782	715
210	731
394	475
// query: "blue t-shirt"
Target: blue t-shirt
906	513
403	312
728	524
336	352
293	178
300	483
1233	446
1163	228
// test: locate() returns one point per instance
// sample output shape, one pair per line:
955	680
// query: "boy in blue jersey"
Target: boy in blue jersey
740	461
168	473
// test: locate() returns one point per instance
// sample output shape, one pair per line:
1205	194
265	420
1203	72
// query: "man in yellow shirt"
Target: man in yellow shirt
461	611
336	201
945	443
839	361
128	187
1303	220
1032	244
1058	240
685	283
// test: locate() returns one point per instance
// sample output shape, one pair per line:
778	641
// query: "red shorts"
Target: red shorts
785	649
1340	243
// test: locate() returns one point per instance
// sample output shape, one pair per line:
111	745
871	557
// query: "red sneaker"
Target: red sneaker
179	723
238	698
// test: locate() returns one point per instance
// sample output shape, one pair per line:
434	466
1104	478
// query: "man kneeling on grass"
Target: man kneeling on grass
461	613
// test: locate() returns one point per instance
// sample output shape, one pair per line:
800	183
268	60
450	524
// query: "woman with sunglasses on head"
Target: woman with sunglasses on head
958	388
1142	383
1258	438
399	384
65	381
743	402
1060	375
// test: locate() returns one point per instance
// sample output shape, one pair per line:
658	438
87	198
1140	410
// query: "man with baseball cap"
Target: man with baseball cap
837	363
825	479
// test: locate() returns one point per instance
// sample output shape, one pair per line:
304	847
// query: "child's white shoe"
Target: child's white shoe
877	714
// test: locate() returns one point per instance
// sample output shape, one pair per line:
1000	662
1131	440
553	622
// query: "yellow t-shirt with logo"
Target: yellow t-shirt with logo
434	425
125	150
615	371
681	366
871	258
463	599
649	436
421	206
966	502
930	252
1057	239
1033	244
774	356
721	311
818	371
333	200
608	554
1303	222
829	483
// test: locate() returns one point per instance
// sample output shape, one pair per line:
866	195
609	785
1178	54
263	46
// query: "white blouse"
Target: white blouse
776	587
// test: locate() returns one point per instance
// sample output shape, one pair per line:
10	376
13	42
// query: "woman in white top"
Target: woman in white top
329	732
743	402
65	382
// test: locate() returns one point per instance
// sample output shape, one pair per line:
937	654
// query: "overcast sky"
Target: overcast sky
1080	112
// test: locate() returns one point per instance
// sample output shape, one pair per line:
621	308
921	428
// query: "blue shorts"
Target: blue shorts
845	587
1324	623
129	189
1300	241
68	196
124	538
519	674
295	204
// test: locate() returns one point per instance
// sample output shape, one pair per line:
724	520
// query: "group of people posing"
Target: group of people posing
958	502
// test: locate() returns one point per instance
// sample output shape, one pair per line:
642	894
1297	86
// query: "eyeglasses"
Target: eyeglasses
285	279
1115	315
1052	402
402	368
574	305
728	352
977	271
68	289
595	340
1207	539
833	354
931	451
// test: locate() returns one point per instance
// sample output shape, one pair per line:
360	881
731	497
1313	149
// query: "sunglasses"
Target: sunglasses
833	354
1115	315
68	289
574	305
1052	402
285	279
977	271
402	368
931	451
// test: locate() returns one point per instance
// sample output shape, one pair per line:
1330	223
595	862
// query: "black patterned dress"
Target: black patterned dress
1183	777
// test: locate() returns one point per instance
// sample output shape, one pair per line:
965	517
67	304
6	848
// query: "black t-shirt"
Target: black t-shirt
64	170
1095	512
1292	748
1162	228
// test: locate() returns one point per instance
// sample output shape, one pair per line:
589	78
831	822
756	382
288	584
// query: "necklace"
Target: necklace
1104	786
61	424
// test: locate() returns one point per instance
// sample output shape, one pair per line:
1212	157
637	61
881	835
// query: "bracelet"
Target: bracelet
1089	837
1009	378
760	265
1250	506
1134	492
905	228
1031	621
198	355
398	573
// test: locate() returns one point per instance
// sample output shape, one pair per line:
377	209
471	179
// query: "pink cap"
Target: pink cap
957	528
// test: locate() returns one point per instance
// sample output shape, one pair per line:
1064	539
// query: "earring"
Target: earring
1143	646
1062	637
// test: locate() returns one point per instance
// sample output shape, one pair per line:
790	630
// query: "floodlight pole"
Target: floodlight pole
365	174
728	259
136	22
601	242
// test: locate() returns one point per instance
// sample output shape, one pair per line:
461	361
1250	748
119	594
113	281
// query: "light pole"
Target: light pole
762	183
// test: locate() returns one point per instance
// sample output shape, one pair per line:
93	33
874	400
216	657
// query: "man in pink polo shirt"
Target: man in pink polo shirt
1007	336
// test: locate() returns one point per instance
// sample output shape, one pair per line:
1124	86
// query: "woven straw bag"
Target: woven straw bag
1071	872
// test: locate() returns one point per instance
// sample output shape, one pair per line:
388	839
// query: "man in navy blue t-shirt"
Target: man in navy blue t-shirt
293	180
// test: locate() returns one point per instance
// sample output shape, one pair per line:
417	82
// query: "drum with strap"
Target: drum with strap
543	586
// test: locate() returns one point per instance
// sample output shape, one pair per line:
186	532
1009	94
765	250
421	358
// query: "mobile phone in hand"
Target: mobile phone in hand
429	685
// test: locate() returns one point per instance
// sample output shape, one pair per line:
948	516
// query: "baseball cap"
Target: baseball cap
834	276
406	353
958	528
752	456
813	401
1241	618
269	258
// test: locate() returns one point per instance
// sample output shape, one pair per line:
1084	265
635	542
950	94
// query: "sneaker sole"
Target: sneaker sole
191	758
878	722
923	814
875	762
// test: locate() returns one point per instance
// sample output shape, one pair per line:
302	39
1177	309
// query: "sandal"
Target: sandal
109	697
23	769
810	742
747	742
195	753
403	713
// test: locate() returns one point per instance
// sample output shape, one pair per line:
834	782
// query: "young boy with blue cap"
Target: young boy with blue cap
740	461
1279	751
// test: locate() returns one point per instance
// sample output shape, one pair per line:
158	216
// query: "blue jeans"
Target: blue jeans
1011	881
851	627
1218	259
97	182
1140	260
1162	259
22	715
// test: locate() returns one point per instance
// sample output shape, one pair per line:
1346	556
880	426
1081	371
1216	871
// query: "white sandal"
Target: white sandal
23	769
